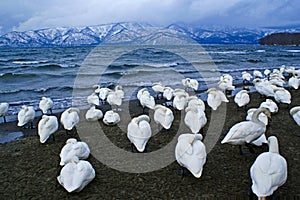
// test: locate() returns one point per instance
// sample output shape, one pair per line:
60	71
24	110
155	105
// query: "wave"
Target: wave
224	52
260	51
51	66
293	50
16	75
36	90
28	62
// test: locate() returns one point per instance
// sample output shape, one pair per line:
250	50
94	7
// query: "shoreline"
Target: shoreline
29	169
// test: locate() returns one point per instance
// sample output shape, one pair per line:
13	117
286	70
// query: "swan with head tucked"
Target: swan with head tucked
93	99
3	110
26	115
168	93
195	118
73	148
93	114
247	131
111	118
195	101
282	96
246	77
257	74
295	113
190	153
46	127
180	99
69	118
102	92
242	98
270	104
158	88
263	87
75	175
190	83
294	82
163	116
45	105
269	171
139	132
146	100
215	98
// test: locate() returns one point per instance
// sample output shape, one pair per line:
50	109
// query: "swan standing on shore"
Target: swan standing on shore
295	113
45	105
46	127
111	118
26	115
75	175
263	87
246	77
163	116
69	118
93	114
269	171
158	88
294	82
73	148
93	99
180	99
282	96
168	93
215	98
139	132
270	104
194	118
190	83
3	110
242	98
190	153
247	131
146	100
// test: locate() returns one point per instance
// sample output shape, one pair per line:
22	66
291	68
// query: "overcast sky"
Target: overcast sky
24	15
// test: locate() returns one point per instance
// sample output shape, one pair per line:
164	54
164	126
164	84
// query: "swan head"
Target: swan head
71	141
266	111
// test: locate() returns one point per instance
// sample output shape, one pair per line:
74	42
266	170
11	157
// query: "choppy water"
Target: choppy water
27	74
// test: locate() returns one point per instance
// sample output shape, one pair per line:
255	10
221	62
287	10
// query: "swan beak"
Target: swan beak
269	116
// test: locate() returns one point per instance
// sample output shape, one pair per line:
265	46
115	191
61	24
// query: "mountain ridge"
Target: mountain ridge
132	33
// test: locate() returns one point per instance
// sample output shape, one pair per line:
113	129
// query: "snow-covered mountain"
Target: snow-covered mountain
130	33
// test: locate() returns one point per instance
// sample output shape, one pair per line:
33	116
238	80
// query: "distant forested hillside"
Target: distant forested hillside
281	39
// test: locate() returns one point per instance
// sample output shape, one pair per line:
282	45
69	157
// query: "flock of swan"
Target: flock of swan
268	172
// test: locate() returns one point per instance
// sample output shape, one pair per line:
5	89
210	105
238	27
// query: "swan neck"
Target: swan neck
273	146
256	115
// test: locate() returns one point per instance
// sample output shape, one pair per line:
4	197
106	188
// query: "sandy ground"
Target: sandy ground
28	169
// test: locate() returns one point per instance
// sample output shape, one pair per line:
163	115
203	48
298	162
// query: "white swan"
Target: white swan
277	81
26	115
194	118
163	116
225	83
102	92
180	99
257	74
242	98
69	118
158	88
195	101
73	148
114	98
46	127
269	170
295	113
93	99
45	105
246	76
190	153
168	93
111	118
270	104
215	98
75	175
263	87
190	83
247	131
93	114
146	100
3	110
267	72
282	96
139	132
262	117
294	82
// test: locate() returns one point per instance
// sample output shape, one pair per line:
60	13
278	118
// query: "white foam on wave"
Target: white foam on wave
293	50
29	62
